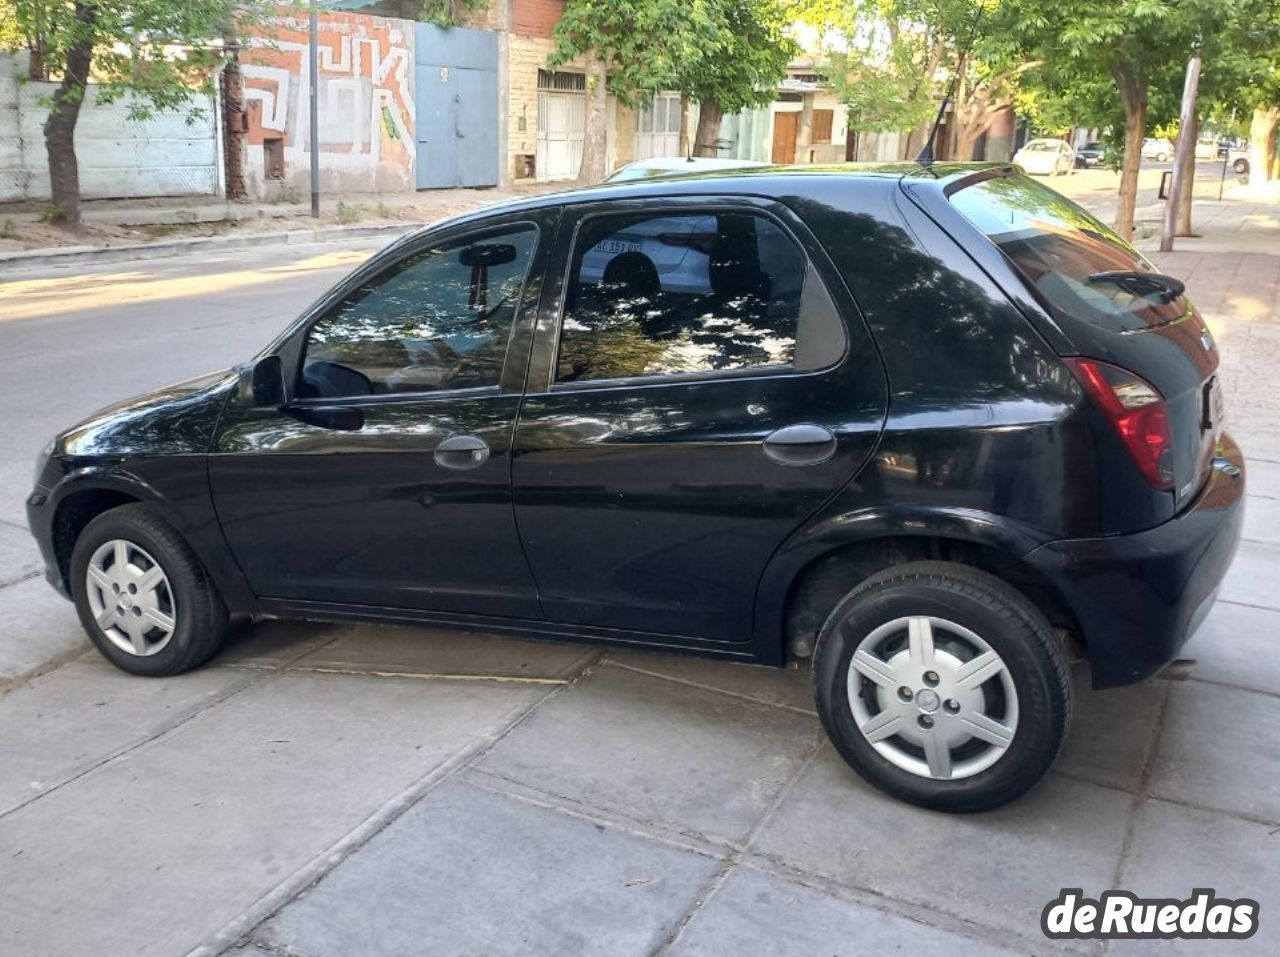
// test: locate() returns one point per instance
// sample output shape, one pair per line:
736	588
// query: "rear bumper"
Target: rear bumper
1138	598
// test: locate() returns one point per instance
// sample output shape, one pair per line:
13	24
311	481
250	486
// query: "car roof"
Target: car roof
758	181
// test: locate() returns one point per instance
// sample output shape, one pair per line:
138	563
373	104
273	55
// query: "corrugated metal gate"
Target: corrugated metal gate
456	84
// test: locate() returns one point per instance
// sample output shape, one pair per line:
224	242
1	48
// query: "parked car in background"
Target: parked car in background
1157	148
1091	154
1206	149
928	427
675	166
1046	157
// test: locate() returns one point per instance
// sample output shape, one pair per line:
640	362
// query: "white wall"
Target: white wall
118	157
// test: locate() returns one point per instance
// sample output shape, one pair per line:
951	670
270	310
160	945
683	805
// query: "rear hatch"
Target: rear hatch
1132	318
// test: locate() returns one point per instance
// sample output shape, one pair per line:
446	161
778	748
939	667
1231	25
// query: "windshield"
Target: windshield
1036	146
1060	249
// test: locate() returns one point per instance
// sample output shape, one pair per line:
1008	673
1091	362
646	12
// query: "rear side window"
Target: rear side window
692	293
1062	251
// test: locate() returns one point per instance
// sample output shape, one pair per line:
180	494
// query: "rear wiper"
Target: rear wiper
1142	282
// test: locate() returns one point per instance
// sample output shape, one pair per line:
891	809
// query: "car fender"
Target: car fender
840	526
189	511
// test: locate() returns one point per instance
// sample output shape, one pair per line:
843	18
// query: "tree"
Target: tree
1142	45
901	56
740	65
632	49
160	53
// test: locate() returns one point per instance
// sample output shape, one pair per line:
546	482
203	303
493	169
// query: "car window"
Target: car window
1062	251
439	319
1039	146
668	294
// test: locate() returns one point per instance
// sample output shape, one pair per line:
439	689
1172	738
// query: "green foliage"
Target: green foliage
899	57
162	52
348	213
444	13
732	51
741	64
51	212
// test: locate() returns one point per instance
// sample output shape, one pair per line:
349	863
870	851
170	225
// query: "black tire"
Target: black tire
200	618
1007	622
1241	166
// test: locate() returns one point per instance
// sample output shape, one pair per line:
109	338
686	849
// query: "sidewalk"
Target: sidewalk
169	225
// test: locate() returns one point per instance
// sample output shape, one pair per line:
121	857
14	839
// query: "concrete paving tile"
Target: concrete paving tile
1262	519
1236	645
1258	445
65	721
659	752
1220	748
760	913
1263	479
791	686
19	556
1110	731
272	643
202	823
441	651
1253	575
467	872
998	868
1177	849
36	625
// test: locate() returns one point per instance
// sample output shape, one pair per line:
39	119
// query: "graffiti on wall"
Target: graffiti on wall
365	102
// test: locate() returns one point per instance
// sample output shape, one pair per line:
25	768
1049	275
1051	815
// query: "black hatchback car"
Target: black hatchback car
931	427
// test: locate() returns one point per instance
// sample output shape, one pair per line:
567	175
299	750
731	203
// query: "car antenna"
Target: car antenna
926	153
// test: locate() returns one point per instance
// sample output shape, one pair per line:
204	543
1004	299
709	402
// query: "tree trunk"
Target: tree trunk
233	125
1133	97
60	127
1262	143
593	169
709	117
1187	141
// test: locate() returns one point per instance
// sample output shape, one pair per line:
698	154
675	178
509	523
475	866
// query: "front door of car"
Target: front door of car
385	481
700	383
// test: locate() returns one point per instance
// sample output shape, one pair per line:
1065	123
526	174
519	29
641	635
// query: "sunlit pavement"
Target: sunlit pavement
332	791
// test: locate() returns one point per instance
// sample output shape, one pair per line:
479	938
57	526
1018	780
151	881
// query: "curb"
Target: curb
78	255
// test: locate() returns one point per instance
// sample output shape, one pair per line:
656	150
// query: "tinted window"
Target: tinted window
440	319
655	295
1060	249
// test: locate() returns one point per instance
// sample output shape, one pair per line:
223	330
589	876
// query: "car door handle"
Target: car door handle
800	445
461	452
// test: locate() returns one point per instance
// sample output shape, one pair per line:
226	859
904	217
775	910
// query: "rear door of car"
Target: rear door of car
681	421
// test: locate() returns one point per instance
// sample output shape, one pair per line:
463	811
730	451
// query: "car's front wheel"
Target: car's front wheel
143	596
943	686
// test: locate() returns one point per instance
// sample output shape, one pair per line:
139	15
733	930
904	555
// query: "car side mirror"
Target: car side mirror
262	383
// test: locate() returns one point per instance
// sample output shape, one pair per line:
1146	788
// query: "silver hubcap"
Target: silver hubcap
130	598
932	697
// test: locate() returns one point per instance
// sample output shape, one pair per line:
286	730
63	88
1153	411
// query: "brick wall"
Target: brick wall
535	18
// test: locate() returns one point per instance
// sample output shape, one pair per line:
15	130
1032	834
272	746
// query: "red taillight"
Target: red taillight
1138	413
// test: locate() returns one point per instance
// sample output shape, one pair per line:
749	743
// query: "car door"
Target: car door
679	426
385	481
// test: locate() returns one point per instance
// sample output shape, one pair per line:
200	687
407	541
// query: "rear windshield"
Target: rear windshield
1060	249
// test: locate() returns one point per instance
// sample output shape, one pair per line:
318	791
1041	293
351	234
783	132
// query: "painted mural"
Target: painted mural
365	103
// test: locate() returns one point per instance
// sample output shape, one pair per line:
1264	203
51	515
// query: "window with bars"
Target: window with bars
562	81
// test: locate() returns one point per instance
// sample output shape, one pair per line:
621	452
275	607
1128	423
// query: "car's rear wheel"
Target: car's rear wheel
943	686
142	595
1241	166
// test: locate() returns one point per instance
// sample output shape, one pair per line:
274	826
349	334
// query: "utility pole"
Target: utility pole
313	44
1184	161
